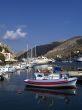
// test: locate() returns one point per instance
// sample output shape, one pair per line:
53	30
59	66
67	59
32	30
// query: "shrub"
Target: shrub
2	57
6	49
0	49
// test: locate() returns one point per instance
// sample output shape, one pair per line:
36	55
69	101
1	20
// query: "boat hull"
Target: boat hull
70	82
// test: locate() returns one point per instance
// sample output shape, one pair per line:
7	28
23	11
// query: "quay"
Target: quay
75	73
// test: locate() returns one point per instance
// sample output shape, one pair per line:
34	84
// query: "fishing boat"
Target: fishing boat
52	80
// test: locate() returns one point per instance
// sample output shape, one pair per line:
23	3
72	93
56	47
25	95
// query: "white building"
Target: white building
8	56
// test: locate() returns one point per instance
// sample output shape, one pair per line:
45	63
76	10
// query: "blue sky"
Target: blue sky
39	22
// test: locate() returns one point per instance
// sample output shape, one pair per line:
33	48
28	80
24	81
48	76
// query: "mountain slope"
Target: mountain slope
40	50
64	49
69	46
5	52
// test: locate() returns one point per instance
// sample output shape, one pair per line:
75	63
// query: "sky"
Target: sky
38	22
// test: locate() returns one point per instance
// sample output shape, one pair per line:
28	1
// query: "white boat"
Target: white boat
52	80
7	68
42	60
21	66
79	59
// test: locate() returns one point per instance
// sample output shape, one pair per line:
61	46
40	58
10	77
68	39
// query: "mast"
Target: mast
31	52
27	52
35	51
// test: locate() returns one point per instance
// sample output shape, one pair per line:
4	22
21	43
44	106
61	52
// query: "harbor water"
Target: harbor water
14	95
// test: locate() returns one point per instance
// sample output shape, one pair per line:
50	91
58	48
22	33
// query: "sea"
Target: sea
15	95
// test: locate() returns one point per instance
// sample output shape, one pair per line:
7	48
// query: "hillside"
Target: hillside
69	47
5	52
40	50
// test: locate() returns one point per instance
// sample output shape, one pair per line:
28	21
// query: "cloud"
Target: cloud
14	34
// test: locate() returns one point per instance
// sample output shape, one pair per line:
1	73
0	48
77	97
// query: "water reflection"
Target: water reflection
50	100
13	81
7	76
50	96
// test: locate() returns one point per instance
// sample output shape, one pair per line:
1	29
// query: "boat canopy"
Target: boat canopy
57	69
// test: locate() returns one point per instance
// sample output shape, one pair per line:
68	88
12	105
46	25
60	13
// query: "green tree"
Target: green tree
2	57
0	49
6	49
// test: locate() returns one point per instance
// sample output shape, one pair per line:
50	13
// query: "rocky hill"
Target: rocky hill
5	52
64	49
38	50
69	47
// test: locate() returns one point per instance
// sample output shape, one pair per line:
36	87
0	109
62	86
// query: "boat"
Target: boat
79	59
7	68
42	60
51	80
